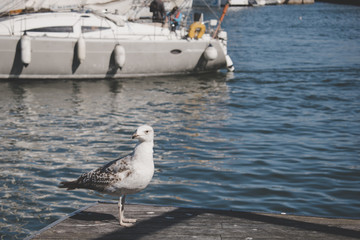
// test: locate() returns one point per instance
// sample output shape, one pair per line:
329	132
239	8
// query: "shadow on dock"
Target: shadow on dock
161	222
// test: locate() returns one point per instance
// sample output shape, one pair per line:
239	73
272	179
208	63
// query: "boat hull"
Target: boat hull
58	58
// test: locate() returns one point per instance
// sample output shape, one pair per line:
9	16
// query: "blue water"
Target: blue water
281	134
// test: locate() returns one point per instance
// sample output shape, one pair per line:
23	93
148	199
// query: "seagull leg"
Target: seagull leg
121	213
126	220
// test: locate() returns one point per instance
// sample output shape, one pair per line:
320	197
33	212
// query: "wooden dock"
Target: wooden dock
100	221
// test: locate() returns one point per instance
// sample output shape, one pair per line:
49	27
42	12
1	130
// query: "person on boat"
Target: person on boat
158	10
175	17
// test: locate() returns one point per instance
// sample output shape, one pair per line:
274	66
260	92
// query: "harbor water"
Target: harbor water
281	134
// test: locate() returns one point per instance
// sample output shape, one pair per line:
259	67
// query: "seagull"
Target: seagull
122	176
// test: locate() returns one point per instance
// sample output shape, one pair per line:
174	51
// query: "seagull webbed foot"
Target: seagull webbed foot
124	224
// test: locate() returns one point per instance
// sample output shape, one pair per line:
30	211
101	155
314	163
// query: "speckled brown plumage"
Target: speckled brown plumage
101	177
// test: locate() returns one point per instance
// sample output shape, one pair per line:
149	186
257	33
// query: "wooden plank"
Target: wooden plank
100	221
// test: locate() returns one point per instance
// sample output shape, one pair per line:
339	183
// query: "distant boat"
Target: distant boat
220	3
51	41
252	2
265	2
239	2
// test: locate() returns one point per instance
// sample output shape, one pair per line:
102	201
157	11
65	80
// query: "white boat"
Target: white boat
131	9
239	2
265	2
90	44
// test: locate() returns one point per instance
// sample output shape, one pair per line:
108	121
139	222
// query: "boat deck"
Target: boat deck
100	221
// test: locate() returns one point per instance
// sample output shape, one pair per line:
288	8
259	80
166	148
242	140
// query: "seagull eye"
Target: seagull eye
147	131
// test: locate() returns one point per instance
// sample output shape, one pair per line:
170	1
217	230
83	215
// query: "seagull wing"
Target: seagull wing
102	177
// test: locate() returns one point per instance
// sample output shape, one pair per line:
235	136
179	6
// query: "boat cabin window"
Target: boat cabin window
86	29
52	29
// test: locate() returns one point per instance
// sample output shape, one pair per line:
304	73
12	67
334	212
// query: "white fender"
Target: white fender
229	64
210	53
81	49
25	49
119	55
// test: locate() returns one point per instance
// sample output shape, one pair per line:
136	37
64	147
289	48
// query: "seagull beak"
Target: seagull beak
134	136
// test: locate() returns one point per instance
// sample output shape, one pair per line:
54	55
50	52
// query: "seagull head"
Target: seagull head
144	133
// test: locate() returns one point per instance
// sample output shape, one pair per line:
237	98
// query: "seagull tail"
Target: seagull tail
69	185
